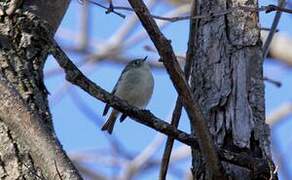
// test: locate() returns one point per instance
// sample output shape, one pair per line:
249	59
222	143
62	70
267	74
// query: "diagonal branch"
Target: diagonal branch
178	107
75	76
176	75
169	142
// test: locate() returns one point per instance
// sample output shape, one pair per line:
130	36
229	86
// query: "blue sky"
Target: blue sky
78	131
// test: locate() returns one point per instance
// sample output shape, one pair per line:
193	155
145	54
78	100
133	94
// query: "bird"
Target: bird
135	85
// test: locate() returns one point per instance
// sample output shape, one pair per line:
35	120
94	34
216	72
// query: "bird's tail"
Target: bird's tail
110	123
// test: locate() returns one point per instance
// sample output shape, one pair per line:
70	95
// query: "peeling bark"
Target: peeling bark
228	82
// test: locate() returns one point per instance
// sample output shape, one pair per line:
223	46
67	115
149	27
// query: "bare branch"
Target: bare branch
109	9
193	109
169	143
142	35
267	9
272	81
74	75
178	107
282	3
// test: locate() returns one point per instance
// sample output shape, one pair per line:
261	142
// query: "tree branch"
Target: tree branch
176	75
178	107
145	117
75	76
109	9
280	48
267	9
266	47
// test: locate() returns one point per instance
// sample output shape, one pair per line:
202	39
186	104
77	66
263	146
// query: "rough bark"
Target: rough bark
26	129
228	84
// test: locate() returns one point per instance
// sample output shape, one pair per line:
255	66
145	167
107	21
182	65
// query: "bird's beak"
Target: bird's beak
145	58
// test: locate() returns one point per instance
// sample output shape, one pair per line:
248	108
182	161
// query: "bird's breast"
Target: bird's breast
136	87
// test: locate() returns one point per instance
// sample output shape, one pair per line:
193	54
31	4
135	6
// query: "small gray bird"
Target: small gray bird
135	85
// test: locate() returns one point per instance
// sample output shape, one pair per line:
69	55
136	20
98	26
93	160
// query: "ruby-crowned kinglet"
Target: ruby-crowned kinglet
135	85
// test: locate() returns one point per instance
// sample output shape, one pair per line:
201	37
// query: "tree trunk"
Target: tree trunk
228	83
29	148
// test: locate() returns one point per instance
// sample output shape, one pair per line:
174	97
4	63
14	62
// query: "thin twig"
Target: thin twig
266	47
272	81
267	9
169	143
109	9
267	29
178	107
122	34
280	48
132	41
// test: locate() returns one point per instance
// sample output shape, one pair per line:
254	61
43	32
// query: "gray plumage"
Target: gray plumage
135	85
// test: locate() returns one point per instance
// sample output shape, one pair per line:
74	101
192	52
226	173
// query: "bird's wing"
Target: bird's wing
107	106
123	117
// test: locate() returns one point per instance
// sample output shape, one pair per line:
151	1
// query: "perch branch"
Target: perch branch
145	117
